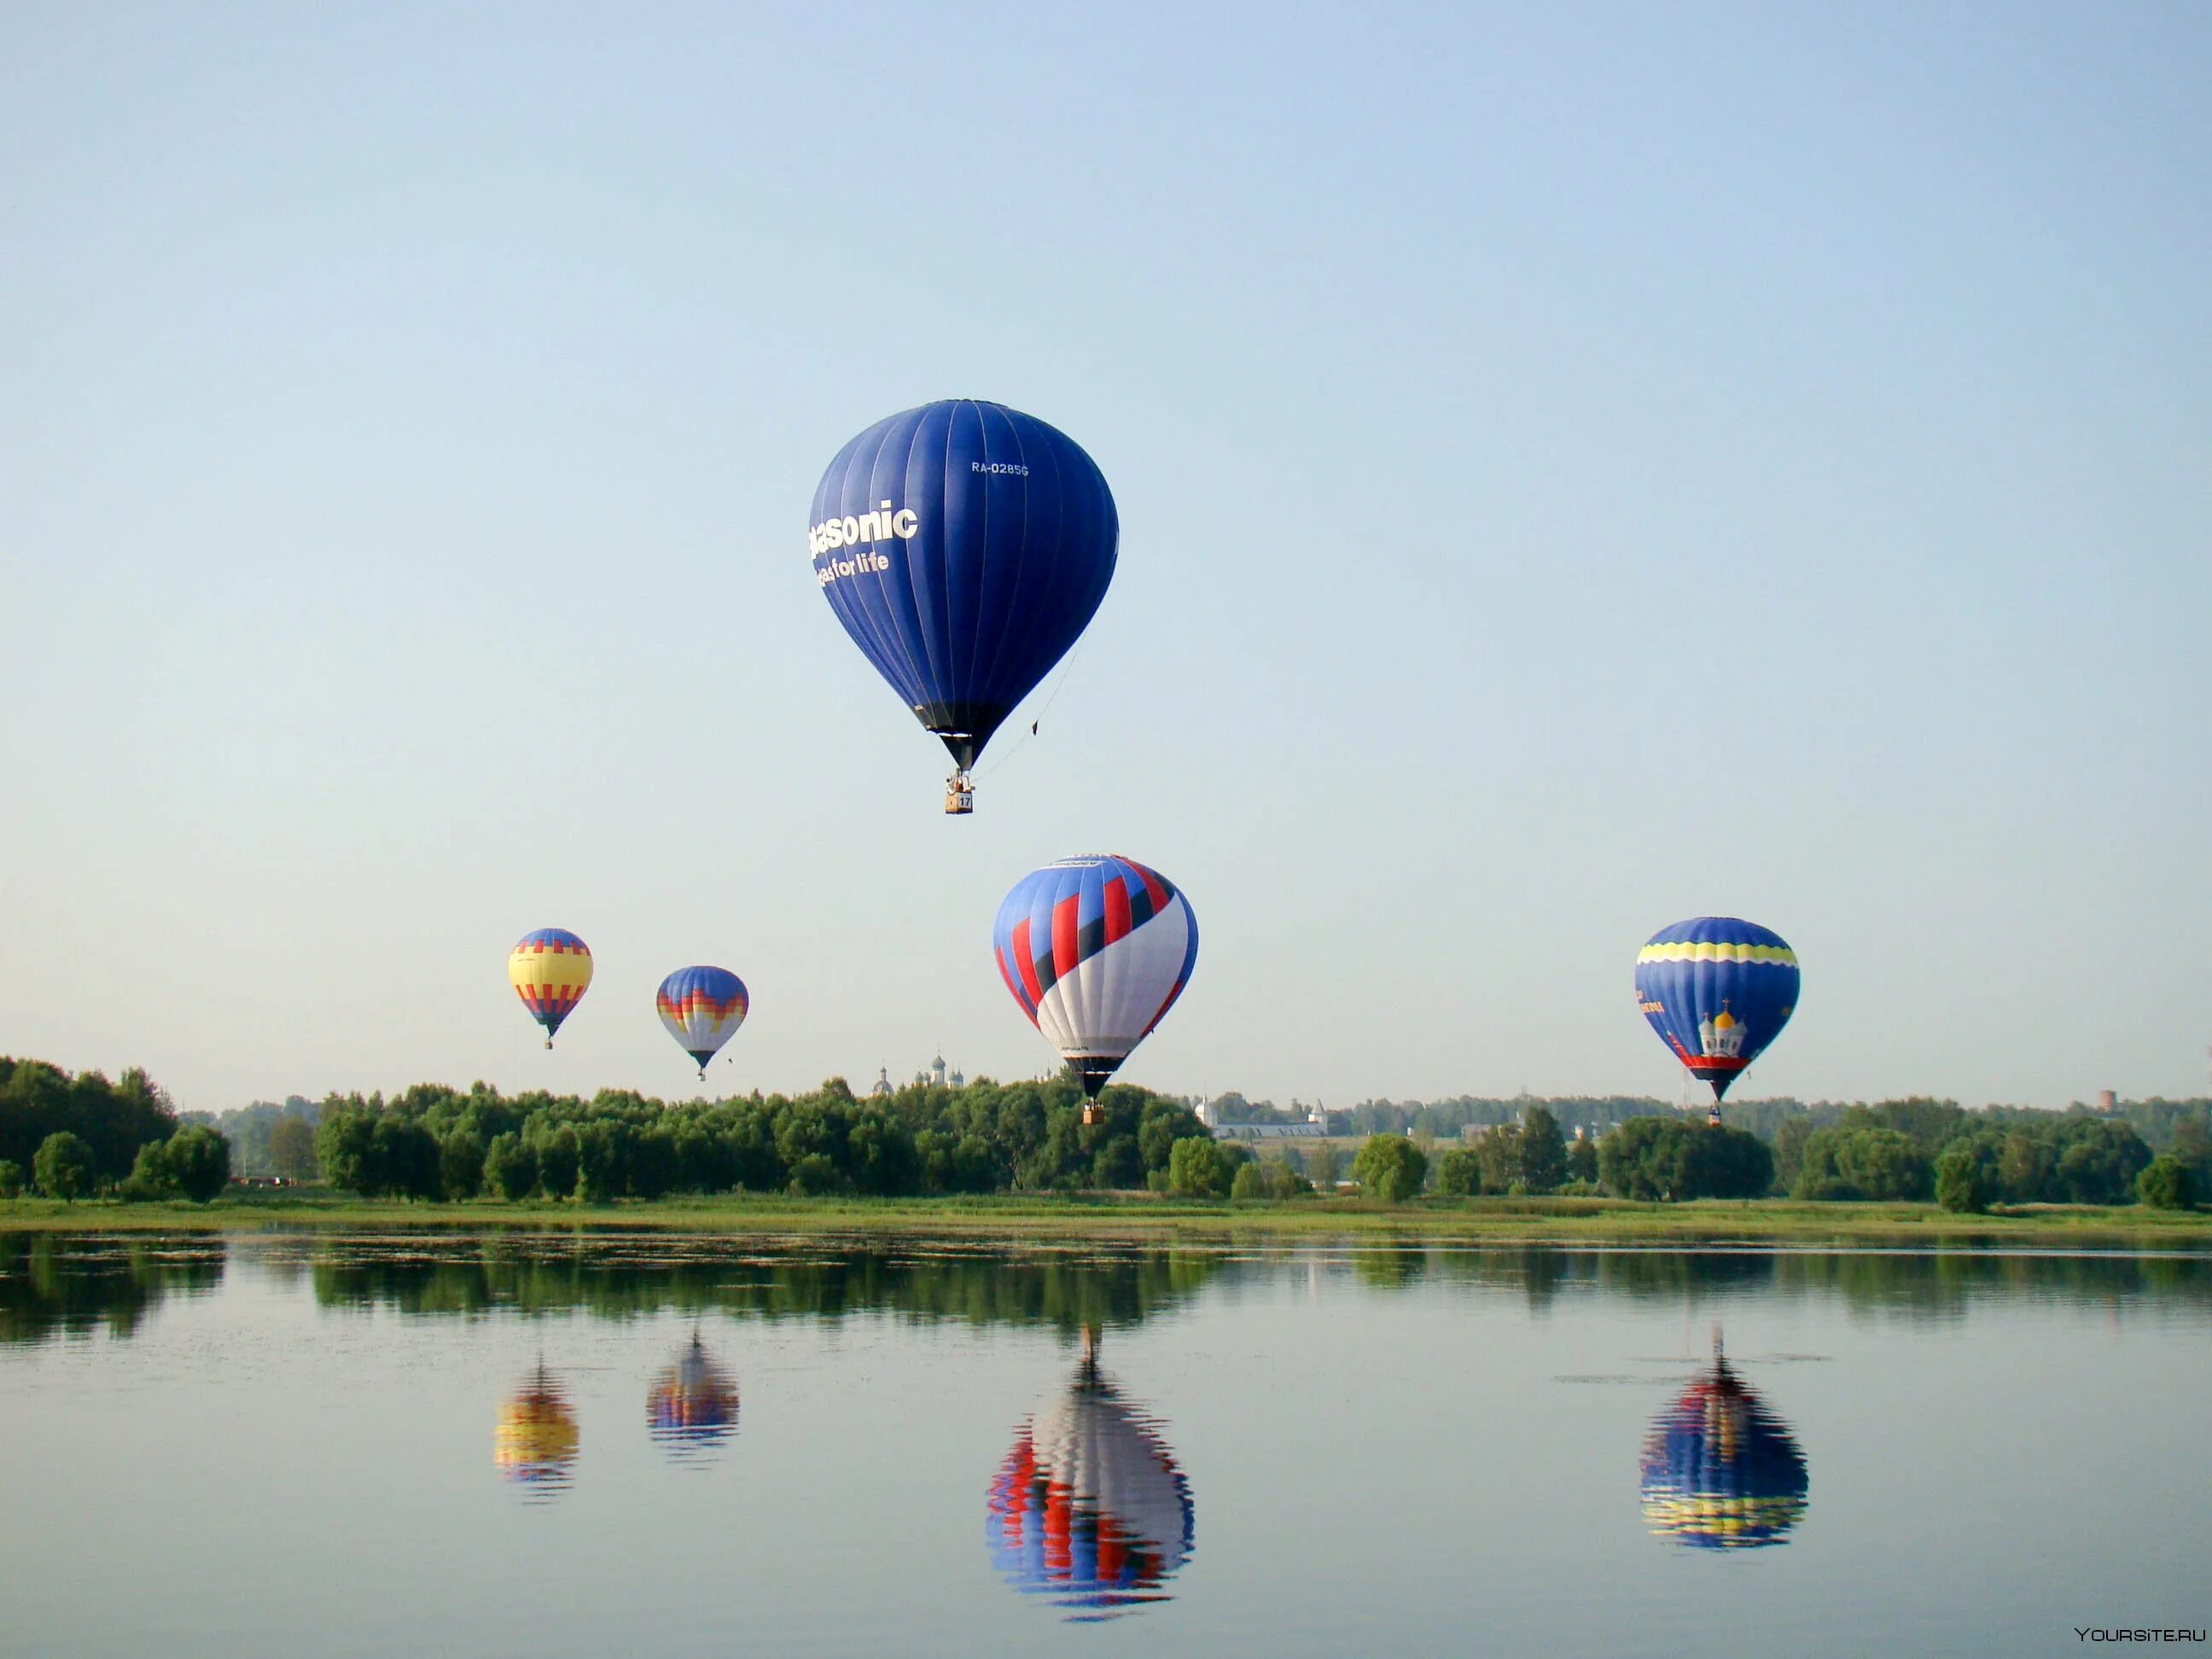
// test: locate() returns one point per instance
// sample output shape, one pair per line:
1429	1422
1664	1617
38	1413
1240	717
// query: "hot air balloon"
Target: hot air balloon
550	970
1089	1510
1718	991
964	545
536	1440
694	1404
1096	949
1720	1470
702	1008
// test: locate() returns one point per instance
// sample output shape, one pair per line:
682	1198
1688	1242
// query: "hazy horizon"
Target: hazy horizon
1576	470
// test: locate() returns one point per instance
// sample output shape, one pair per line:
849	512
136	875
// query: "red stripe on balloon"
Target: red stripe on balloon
1063	936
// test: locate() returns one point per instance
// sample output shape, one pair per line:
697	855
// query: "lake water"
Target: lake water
554	1444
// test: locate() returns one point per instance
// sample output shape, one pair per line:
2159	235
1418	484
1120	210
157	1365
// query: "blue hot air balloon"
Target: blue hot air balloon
1718	991
964	545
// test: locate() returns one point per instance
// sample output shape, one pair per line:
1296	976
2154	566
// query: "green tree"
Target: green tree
1581	1160
1268	1179
603	1149
1323	1164
1543	1151
1497	1154
292	1148
197	1159
2167	1183
1883	1165
345	1147
406	1157
558	1156
1961	1184
1719	1162
149	1175
461	1166
11	1178
1642	1158
510	1166
1459	1173
62	1167
1197	1168
1790	1151
1391	1167
2192	1144
1118	1163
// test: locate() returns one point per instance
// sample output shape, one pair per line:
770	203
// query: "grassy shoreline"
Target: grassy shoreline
1138	1218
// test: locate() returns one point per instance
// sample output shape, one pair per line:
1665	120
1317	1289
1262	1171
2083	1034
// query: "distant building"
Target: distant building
1308	1131
935	1075
1314	1127
2108	1103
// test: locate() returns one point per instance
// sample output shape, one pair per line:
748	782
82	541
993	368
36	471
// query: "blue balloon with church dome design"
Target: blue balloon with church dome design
1717	990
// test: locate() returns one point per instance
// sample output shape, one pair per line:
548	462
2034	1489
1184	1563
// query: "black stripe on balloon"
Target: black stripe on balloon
1090	939
1046	977
1140	906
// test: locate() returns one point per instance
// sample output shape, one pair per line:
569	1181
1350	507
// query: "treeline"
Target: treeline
985	1136
1921	1149
1442	1120
2158	1120
1647	1158
270	1138
1903	1151
72	1137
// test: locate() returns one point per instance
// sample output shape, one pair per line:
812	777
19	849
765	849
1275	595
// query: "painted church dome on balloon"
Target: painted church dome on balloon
693	1407
1089	1510
1721	1470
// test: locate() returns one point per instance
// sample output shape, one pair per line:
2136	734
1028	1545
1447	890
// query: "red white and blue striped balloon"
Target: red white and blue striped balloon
1096	949
702	1008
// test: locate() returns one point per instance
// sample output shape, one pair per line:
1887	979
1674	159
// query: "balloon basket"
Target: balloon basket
959	795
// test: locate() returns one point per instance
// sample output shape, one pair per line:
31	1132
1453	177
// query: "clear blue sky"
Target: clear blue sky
1579	467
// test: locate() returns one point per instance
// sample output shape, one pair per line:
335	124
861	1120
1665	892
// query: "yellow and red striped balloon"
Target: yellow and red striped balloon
550	969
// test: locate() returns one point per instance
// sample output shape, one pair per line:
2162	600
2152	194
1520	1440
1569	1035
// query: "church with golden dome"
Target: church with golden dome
1721	1035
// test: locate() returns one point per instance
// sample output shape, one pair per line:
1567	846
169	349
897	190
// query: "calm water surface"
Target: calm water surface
549	1444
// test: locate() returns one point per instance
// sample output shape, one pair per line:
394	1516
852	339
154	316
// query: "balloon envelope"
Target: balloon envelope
550	969
1718	991
1720	1470
963	545
702	1008
1089	1510
1096	949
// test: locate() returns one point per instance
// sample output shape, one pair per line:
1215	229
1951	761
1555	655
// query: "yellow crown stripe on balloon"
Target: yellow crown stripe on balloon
1705	950
528	970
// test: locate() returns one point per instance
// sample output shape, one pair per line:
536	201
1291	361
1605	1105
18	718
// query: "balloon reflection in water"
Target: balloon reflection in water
1720	1470
1089	1511
536	1441
693	1407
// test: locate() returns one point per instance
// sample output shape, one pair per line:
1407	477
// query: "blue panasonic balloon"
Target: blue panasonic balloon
964	546
1718	991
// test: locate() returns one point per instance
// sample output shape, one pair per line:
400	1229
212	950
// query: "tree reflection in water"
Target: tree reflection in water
1089	1510
72	1285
